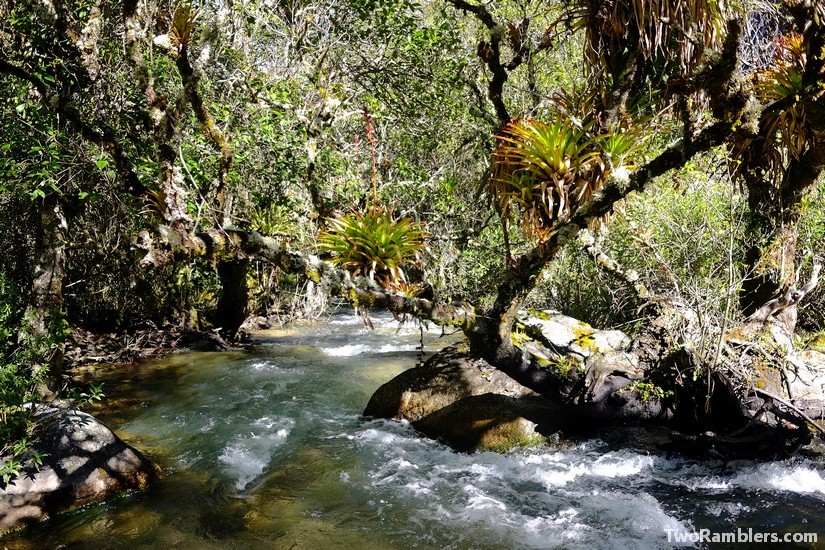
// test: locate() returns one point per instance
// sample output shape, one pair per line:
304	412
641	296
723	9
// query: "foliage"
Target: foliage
374	244
682	239
680	242
545	171
20	385
811	315
786	128
648	391
664	32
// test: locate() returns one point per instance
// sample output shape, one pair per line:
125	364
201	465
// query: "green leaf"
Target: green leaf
101	164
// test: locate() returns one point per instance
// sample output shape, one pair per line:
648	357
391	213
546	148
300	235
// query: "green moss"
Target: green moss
513	442
816	342
519	337
566	367
525	333
462	347
648	391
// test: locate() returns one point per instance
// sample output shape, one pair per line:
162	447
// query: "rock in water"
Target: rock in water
84	462
465	402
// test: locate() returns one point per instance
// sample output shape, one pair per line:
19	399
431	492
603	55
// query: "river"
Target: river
266	448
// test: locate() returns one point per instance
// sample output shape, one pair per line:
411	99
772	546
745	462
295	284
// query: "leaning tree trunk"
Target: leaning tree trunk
491	335
45	309
775	211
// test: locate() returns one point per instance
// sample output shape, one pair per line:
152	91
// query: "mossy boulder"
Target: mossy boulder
448	376
491	422
465	402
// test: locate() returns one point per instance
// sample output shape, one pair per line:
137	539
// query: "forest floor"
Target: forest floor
84	347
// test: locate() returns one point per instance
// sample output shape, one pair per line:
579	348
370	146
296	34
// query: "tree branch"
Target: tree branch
789	298
593	249
674	156
191	84
479	11
102	135
172	244
490	53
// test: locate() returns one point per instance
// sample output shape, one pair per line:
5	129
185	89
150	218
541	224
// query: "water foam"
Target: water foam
779	477
794	478
351	350
247	457
540	498
348	350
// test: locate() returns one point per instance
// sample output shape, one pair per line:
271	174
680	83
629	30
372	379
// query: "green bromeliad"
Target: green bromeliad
374	244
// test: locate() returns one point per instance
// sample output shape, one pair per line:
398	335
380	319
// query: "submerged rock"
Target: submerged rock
84	462
465	402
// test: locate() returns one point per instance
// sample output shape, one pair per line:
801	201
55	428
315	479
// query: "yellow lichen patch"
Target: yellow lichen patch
767	377
539	314
737	333
817	342
583	336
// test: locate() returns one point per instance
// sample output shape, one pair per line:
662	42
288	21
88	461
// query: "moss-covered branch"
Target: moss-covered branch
191	87
169	244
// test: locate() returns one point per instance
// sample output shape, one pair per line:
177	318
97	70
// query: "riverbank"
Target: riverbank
265	447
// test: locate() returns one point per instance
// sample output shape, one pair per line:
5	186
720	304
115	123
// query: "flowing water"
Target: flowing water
266	448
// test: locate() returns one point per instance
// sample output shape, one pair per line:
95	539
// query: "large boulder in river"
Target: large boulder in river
84	462
465	402
445	378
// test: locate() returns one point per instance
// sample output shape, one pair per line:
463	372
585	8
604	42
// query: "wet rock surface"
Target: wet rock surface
466	403
84	462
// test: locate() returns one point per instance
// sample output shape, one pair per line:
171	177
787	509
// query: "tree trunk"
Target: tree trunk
770	262
491	335
45	310
232	304
776	209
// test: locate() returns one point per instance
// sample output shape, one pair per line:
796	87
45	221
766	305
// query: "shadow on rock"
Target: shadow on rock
467	403
84	462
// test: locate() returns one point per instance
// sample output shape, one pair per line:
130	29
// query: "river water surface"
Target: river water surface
266	448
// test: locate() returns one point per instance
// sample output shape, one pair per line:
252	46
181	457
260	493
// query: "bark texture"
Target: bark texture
44	313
